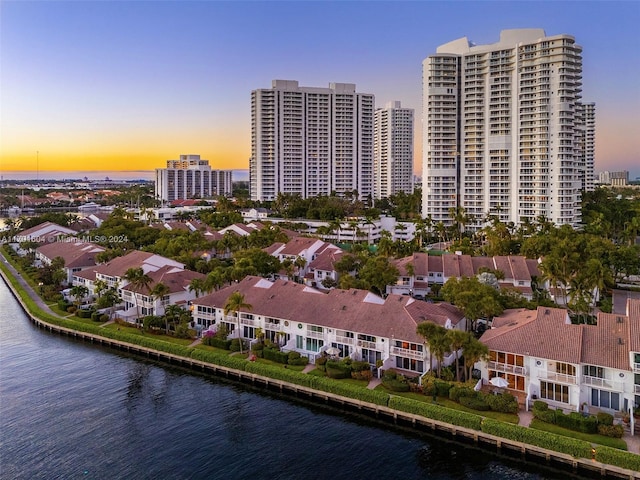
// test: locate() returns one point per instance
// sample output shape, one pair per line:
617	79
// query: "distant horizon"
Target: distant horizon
93	175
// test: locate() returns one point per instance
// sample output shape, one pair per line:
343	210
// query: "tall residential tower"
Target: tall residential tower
311	141
393	150
502	129
190	177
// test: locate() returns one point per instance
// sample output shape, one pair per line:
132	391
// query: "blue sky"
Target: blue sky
102	85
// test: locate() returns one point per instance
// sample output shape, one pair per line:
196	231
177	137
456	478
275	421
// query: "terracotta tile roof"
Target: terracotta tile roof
457	266
633	312
436	264
273	248
421	264
480	262
45	232
75	254
296	246
353	310
176	279
119	265
607	343
326	260
542	333
402	265
532	265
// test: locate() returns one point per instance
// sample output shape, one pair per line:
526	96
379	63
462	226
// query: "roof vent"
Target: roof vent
354	292
271	297
344	307
620	342
547	311
620	319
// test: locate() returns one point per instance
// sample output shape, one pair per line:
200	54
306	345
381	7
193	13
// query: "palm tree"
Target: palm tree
172	313
138	281
428	331
197	285
235	303
100	286
457	339
158	291
78	292
474	351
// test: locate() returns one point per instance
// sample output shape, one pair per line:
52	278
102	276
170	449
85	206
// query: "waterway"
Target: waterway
72	410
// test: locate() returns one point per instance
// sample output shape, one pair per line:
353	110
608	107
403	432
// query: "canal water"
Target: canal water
72	410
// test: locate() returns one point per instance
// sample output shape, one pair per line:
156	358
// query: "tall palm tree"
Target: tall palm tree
138	281
78	292
197	285
235	303
457	339
158	291
428	331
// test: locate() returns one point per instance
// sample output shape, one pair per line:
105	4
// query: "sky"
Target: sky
126	85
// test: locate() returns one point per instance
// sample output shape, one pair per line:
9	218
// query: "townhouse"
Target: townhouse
46	232
543	356
77	255
420	271
358	323
139	300
302	251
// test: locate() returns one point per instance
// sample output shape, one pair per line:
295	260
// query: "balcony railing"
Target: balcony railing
636	389
344	340
602	382
312	334
405	352
559	377
365	344
636	367
507	368
247	321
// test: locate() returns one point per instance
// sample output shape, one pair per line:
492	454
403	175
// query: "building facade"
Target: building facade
310	141
587	146
191	177
393	150
503	127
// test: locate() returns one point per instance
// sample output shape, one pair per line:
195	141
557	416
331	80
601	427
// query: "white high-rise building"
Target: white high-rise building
310	141
588	146
502	127
392	150
191	177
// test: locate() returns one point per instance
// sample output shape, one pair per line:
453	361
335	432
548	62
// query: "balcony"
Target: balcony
365	344
344	340
636	389
558	377
405	352
636	367
602	382
312	334
507	368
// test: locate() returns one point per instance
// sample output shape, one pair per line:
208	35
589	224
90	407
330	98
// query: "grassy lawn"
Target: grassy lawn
295	368
445	402
136	331
593	438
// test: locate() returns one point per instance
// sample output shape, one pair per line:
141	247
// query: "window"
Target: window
554	392
314	344
566	369
592	371
299	342
367	338
605	399
410	364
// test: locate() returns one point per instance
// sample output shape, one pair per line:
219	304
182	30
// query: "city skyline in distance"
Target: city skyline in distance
109	86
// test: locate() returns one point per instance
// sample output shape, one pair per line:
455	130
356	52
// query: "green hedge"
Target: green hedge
436	412
619	458
550	441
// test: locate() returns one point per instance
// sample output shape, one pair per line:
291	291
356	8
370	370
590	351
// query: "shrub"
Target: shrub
614	431
362	375
436	412
391	380
551	441
604	418
458	391
475	403
216	342
275	355
321	362
442	388
294	358
360	366
540	405
71	309
504	402
620	458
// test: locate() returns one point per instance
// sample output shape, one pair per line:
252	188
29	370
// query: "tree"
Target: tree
457	339
235	303
172	315
197	285
474	299
377	273
138	281
474	351
428	330
109	299
78	292
158	291
440	344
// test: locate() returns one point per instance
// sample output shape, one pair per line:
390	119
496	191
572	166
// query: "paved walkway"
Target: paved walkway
34	296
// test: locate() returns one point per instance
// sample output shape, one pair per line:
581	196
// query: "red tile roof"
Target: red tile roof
352	310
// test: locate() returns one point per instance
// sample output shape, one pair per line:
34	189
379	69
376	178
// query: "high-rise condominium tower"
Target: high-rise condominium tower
311	141
588	146
393	150
191	177
502	129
